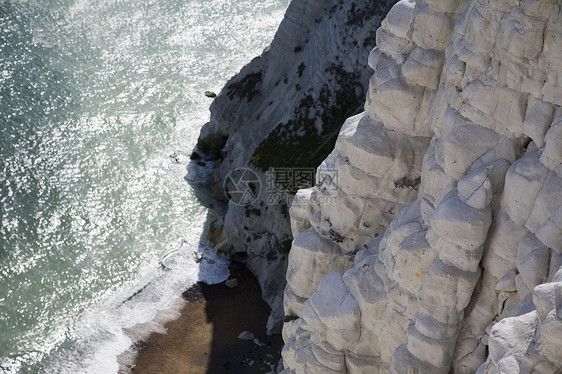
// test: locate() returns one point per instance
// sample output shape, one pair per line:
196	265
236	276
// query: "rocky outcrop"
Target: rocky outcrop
280	114
439	247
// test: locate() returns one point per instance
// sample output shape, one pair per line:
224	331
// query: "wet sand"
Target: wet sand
203	339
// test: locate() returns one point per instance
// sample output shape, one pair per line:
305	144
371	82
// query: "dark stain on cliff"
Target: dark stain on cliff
370	42
308	138
245	88
409	183
357	15
336	237
300	69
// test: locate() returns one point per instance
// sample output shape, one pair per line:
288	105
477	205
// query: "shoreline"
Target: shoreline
200	332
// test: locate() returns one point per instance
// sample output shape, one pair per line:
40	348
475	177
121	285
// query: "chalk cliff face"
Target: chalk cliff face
284	111
437	246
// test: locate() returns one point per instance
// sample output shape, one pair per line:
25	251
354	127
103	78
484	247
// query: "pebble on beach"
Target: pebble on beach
231	283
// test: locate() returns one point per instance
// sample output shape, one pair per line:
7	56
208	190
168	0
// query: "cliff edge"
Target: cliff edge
432	242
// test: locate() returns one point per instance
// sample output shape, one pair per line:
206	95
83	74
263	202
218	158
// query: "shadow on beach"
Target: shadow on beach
204	338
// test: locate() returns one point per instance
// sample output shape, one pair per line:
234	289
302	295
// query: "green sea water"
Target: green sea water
101	103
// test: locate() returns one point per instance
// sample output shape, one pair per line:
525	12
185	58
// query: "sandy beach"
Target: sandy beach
204	338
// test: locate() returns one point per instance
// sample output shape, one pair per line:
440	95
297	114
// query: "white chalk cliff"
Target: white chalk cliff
439	247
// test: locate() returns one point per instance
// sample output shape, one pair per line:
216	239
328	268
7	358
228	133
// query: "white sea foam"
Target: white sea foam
109	330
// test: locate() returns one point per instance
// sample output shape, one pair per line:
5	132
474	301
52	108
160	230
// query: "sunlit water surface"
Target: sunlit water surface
101	103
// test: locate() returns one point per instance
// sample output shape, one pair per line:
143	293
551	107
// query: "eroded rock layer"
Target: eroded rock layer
439	248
